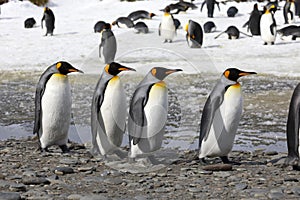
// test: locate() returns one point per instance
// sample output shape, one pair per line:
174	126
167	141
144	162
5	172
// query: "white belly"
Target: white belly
56	111
167	28
221	136
113	111
293	10
265	23
156	111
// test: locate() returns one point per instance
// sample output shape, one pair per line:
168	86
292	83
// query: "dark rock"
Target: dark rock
218	167
291	179
63	170
17	188
35	180
271	153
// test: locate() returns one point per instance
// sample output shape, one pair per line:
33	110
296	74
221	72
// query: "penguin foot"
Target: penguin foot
64	148
170	41
202	162
165	41
131	160
290	161
44	149
225	160
265	43
272	43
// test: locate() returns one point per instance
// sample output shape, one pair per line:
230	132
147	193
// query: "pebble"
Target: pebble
35	180
63	170
17	188
94	197
241	186
92	179
276	195
218	167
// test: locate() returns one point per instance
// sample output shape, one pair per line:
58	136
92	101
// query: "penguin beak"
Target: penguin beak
126	69
171	71
246	73
75	70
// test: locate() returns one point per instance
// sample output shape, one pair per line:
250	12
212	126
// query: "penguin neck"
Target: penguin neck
60	75
167	14
228	82
150	79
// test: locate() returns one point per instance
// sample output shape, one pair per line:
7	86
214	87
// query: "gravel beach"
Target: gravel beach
26	173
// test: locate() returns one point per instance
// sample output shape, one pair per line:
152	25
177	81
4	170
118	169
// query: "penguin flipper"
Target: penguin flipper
202	5
293	125
272	28
137	120
218	5
40	89
208	114
159	29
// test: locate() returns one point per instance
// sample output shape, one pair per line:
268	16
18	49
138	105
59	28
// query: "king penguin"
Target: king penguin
49	21
292	132
53	106
194	34
221	115
289	11
254	21
108	45
108	111
268	26
167	29
148	113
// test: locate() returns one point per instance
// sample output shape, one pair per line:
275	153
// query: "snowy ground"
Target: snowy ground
75	41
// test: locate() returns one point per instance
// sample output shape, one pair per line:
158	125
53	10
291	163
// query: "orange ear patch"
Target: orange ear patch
58	65
106	68
153	71
226	73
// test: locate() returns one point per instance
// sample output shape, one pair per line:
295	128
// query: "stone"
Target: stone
17	188
9	196
63	170
271	153
218	167
94	197
241	186
113	181
85	169
74	197
276	195
27	180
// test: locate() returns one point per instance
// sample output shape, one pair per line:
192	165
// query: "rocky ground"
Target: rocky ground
27	173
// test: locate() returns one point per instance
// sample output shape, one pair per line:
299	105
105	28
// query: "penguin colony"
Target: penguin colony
148	106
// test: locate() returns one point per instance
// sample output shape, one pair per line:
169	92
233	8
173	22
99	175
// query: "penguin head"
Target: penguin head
108	26
152	15
255	7
65	68
271	9
115	68
161	72
167	9
234	74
